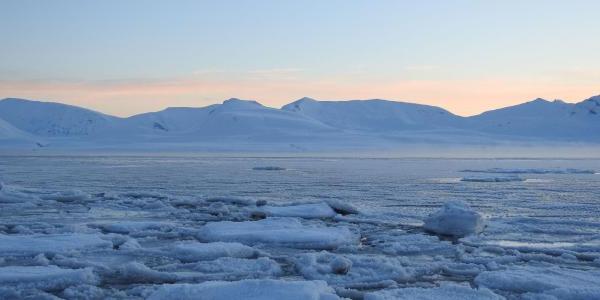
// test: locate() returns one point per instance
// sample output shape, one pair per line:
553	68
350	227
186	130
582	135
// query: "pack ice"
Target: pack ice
290	235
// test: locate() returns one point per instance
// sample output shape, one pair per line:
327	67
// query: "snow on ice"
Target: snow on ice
446	291
390	237
455	218
540	282
492	179
311	210
289	232
194	251
248	289
46	278
12	245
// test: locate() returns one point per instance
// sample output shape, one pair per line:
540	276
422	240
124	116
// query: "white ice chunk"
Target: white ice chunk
51	243
351	270
233	200
248	289
343	208
268	168
47	278
309	210
194	251
9	194
532	171
287	232
127	227
492	179
84	292
446	292
544	281
68	196
415	244
225	268
135	272
456	218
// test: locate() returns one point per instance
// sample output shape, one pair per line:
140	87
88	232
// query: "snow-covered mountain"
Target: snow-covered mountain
544	119
232	117
305	122
375	115
9	135
54	119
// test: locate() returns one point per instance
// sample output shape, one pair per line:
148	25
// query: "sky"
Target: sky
127	57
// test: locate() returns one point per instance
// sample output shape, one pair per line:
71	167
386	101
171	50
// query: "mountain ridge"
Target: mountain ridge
307	120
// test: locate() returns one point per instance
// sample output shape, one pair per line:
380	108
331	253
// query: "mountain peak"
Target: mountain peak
295	106
235	103
539	100
305	99
240	101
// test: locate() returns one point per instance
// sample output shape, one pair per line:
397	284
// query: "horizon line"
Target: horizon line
281	107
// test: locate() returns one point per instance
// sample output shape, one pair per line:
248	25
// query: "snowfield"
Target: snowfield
192	227
305	125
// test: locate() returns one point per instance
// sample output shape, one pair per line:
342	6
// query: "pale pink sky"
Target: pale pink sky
125	98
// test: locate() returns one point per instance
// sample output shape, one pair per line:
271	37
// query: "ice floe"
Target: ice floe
551	282
51	243
455	218
354	271
194	251
47	278
136	272
413	244
446	291
492	179
11	194
343	208
308	210
129	227
68	196
224	268
247	289
531	171
269	168
288	232
233	200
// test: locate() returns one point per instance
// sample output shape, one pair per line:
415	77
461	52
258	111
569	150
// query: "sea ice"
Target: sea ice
492	179
350	270
446	292
68	196
135	272
288	232
307	211
543	281
129	227
23	245
247	289
233	200
343	208
531	171
9	194
225	268
194	251
456	218
268	168
47	278
414	244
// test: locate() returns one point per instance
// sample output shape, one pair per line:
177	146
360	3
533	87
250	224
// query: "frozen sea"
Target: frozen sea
197	227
